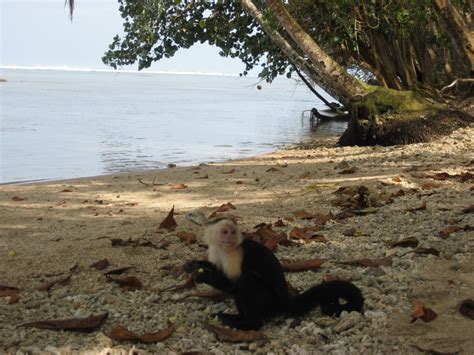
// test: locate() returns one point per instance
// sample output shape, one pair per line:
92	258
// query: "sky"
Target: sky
39	33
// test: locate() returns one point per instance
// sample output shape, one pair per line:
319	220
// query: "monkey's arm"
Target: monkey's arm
204	271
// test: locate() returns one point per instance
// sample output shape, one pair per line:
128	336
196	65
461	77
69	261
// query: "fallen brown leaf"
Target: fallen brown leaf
410	242
226	207
140	242
101	264
304	215
62	281
178	186
445	232
232	335
66	190
126	282
186	237
118	271
169	223
469	209
272	169
426	314
14	298
7	291
430	186
422	207
120	333
387	261
350	170
425	251
77	324
17	198
189	283
299	233
213	294
296	266
397	178
231	171
467	308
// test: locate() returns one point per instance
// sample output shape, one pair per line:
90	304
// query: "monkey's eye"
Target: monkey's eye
225	231
233	232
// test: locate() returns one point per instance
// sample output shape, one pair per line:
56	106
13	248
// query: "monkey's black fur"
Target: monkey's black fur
261	291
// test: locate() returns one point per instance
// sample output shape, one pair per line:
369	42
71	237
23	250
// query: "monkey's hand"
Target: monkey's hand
191	266
194	265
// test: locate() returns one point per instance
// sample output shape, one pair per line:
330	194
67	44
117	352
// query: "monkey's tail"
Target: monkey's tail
333	297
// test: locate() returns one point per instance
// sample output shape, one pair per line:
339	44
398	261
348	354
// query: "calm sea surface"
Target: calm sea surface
65	124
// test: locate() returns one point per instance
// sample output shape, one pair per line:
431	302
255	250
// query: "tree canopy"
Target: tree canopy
404	45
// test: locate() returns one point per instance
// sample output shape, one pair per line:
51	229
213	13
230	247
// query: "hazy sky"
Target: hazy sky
39	33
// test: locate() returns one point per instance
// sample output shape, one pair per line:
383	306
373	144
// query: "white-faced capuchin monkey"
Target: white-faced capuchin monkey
252	274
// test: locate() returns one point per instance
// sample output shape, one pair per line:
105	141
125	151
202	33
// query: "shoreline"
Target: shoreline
48	227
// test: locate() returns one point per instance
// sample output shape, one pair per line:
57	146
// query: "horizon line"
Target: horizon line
117	71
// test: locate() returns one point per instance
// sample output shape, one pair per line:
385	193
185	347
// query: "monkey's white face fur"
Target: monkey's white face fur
224	239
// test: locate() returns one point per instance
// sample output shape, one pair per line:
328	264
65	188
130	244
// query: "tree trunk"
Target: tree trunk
458	30
338	82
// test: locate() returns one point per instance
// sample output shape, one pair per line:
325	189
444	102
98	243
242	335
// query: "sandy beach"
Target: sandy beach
56	229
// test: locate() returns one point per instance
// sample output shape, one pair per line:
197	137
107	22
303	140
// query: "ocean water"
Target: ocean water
57	124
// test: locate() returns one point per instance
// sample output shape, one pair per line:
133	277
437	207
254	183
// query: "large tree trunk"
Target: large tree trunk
338	82
459	32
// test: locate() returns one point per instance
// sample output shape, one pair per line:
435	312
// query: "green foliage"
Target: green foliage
158	28
356	33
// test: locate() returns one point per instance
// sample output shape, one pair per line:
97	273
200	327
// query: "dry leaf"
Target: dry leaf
7	291
467	308
17	198
140	242
426	314
350	170
66	190
62	281
445	232
299	233
425	251
271	169
77	324
126	282
118	271
169	223
101	264
296	266
304	215
14	298
469	209
226	207
387	261
213	294
225	334
430	186
421	208
397	178
120	333
189	283
178	186
410	242
186	237
231	171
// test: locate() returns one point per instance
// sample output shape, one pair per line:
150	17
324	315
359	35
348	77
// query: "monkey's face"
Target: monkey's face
224	234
